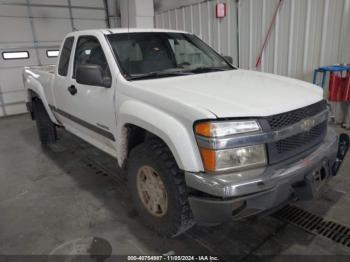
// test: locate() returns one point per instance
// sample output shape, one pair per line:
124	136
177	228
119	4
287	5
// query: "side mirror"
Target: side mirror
229	59
92	75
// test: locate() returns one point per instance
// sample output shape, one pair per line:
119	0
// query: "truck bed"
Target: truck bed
44	68
40	79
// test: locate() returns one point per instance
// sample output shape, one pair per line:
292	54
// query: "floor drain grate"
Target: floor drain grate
315	224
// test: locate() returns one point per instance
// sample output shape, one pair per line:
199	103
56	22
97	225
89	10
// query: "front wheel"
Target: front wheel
158	189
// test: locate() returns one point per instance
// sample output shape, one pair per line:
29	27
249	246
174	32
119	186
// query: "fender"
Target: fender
172	131
31	83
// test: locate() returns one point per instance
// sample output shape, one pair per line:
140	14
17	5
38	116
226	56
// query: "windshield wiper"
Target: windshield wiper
208	69
158	75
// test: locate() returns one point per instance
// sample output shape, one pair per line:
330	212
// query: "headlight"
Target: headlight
234	158
230	159
226	128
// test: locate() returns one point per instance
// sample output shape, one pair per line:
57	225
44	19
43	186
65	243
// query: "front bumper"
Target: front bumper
241	194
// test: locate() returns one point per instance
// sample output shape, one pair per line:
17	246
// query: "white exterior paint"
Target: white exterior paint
166	107
307	33
236	93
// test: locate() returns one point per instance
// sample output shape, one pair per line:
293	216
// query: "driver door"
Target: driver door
88	111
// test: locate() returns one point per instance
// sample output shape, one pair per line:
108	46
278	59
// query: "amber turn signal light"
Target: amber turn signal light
209	159
203	129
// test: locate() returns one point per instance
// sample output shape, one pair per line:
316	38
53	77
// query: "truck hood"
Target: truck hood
235	93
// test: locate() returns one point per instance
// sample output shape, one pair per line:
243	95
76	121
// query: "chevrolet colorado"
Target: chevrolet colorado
202	141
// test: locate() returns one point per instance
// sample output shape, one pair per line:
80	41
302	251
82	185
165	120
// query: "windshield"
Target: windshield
153	55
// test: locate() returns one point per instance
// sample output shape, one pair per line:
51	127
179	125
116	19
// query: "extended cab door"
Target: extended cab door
88	109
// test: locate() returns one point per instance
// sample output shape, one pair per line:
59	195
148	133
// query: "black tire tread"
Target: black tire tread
46	129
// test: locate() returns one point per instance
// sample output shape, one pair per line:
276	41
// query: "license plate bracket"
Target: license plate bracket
313	182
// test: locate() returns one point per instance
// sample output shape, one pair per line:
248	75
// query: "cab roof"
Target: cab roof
108	31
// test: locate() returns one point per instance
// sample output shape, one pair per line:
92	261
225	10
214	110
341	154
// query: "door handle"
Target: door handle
72	89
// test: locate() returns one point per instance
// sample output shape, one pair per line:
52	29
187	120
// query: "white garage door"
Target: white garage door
31	32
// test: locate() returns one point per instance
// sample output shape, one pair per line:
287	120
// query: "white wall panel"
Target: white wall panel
13	1
196	22
13	11
43	56
89	24
244	17
13	97
37	26
179	18
10	80
313	35
332	31
306	35
214	27
50	12
8	64
115	21
188	17
88	3
10	36
88	14
15	109
172	18
344	54
199	18
49	2
12	93
297	39
51	29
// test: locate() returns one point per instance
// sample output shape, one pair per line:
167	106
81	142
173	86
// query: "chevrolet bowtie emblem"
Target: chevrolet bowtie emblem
307	124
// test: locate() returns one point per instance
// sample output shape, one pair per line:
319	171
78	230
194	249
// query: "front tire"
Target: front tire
158	189
46	129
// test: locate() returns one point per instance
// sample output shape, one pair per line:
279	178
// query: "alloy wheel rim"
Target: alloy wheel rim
152	191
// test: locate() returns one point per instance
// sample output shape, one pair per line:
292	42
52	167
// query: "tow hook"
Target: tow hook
343	148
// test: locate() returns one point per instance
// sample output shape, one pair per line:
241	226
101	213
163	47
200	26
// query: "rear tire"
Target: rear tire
176	216
46	129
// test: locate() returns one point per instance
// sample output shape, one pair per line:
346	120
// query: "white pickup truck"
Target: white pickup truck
201	140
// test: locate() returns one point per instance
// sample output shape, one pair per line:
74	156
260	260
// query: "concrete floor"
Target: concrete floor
65	198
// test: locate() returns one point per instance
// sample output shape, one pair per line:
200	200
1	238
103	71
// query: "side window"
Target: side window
64	58
89	52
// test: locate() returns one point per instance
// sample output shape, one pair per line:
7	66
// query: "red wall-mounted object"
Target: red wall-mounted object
347	89
221	10
339	87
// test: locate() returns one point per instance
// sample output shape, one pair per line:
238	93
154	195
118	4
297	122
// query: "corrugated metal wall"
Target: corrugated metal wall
199	18
36	26
307	33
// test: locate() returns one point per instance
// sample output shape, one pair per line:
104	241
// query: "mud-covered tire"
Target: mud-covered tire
178	218
46	129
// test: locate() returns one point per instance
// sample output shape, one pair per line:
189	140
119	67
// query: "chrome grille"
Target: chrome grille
285	119
294	142
297	144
